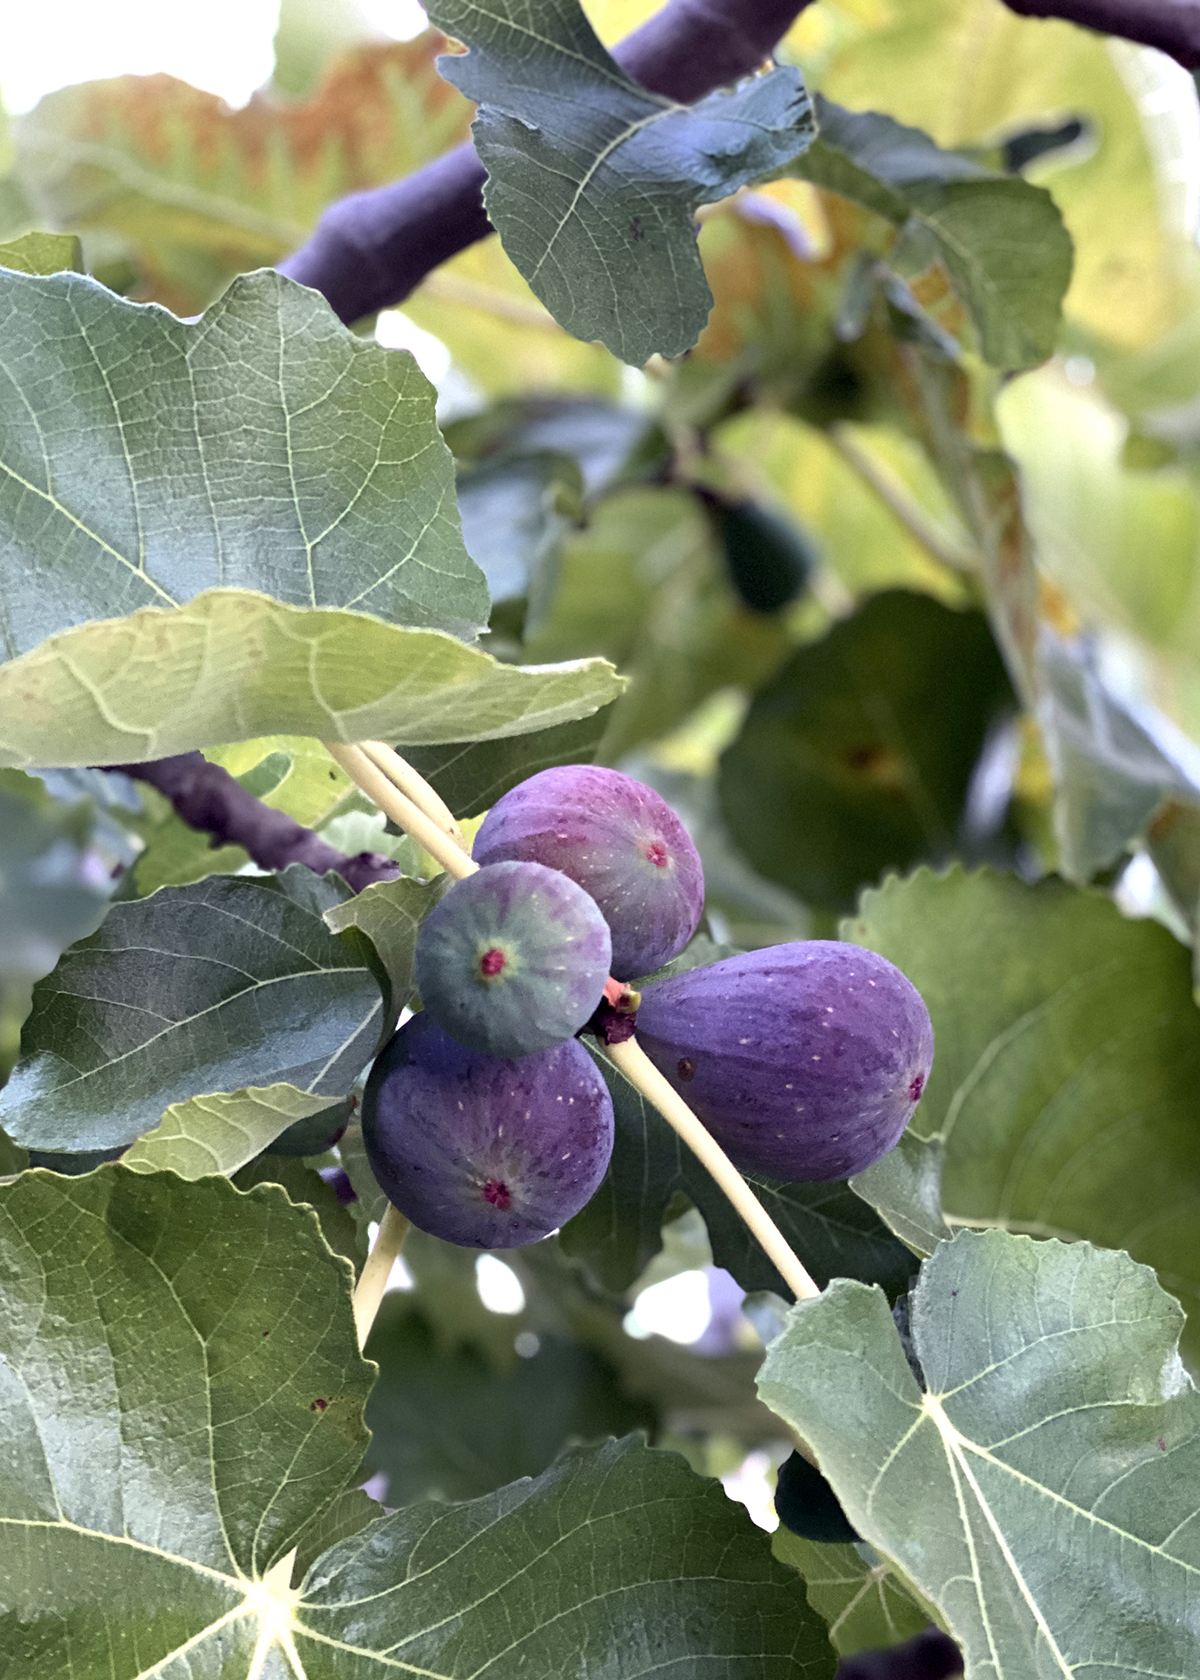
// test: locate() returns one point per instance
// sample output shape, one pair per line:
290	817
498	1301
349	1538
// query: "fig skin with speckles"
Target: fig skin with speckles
620	841
805	1061
514	959
480	1150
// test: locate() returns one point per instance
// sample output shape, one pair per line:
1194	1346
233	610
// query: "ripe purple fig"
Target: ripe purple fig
479	1150
620	841
805	1061
513	959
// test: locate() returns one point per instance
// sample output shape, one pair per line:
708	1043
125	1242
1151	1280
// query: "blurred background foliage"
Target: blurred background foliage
884	604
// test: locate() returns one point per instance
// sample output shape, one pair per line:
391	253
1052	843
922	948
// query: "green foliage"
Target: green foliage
472	775
178	193
855	1590
140	685
221	1132
872	735
186	425
592	182
42	253
232	980
390	914
246	533
1001	241
1056	1407
53	890
447	1422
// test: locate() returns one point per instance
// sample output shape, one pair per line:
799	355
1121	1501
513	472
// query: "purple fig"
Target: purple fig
620	841
479	1150
805	1061
513	959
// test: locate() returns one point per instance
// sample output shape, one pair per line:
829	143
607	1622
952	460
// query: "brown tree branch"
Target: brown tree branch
211	800
372	248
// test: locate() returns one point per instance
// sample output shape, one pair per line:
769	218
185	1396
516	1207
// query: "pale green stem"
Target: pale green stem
368	1292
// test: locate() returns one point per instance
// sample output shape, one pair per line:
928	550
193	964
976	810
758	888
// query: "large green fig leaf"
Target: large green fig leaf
183	1405
264	447
1042	1490
1001	241
593	182
1066	1061
858	755
183	1391
234	981
231	665
619	1232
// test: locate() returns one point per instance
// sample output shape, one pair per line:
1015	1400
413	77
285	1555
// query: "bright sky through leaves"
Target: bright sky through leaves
66	41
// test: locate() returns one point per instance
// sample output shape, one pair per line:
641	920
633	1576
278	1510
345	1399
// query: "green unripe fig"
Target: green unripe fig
769	558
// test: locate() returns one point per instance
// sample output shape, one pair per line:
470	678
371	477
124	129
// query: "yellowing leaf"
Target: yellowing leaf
199	192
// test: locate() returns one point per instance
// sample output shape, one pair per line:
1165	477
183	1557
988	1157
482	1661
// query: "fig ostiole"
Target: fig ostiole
485	1151
618	840
513	960
805	1061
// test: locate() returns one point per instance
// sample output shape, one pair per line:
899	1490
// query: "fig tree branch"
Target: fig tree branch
1173	26
209	799
372	248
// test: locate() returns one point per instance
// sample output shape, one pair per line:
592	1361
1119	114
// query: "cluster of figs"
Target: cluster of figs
486	1120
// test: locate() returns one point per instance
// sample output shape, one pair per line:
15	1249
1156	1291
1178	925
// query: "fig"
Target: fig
805	1061
485	1151
769	558
620	841
806	1504
513	959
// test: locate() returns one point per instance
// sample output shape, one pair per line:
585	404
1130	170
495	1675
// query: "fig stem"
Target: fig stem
642	1074
368	1291
403	811
414	786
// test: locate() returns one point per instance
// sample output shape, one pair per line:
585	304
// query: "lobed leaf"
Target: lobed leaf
262	447
149	1510
1001	240
196	193
233	981
593	182
1042	1492
231	666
